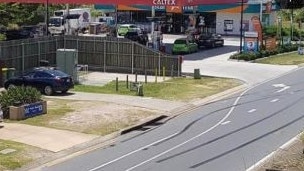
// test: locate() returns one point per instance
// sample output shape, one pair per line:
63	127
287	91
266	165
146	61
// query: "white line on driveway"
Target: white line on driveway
227	122
252	110
274	100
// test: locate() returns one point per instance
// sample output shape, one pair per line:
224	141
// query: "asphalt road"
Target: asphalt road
231	134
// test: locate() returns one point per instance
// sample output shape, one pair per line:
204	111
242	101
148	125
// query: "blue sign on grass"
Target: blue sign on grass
32	110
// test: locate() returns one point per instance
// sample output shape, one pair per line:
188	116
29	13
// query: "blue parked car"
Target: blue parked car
46	80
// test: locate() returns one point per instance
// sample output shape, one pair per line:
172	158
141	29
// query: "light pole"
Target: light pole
291	20
280	30
241	30
47	18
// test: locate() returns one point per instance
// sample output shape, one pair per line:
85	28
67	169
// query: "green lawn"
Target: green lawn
178	89
283	59
22	155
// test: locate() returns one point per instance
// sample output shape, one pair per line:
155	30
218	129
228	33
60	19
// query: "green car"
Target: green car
124	28
183	46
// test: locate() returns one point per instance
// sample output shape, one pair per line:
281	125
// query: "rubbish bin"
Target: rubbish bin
197	74
140	90
301	50
44	63
10	73
4	75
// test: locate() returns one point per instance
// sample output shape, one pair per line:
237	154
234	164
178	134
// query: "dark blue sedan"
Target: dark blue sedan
45	80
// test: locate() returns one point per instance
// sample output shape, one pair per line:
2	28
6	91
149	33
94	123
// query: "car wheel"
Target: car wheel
10	86
213	45
48	90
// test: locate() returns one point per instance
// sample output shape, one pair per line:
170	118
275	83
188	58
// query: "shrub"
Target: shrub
2	37
18	96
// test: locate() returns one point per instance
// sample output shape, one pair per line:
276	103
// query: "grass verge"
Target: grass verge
176	89
283	59
22	155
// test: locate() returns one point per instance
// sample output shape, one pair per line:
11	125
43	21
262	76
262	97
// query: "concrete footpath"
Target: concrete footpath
60	140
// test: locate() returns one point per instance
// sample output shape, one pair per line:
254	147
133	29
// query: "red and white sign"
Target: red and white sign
132	2
164	2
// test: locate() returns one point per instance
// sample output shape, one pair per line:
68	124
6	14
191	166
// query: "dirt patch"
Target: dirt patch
95	117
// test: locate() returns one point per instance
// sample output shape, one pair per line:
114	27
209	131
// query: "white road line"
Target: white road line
193	138
282	86
227	122
128	154
283	89
274	100
252	110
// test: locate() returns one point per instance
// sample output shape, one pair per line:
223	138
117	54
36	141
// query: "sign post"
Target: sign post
251	43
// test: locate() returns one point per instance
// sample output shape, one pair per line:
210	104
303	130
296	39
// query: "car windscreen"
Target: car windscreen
180	41
57	73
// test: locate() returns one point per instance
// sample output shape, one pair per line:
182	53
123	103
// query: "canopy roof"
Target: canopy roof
132	2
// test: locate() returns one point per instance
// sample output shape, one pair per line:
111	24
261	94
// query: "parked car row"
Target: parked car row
22	33
194	43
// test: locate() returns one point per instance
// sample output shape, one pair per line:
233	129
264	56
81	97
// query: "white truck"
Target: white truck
69	21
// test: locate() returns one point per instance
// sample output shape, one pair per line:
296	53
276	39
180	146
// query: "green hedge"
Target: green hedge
249	56
18	96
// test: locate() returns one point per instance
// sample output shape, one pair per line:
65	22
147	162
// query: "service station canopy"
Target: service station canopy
132	2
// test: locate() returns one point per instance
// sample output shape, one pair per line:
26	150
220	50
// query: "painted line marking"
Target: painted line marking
283	89
252	110
274	100
224	123
132	152
282	86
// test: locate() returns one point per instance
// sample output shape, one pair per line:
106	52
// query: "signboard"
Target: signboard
33	109
251	34
251	45
286	40
255	20
228	25
271	43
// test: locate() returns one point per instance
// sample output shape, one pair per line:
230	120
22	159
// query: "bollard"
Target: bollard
136	77
146	77
140	90
116	83
127	80
164	73
155	75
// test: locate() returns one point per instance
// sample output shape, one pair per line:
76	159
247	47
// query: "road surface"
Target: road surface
231	134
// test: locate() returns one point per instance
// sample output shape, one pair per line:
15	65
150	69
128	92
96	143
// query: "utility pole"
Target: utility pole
261	11
68	31
291	20
241	30
47	18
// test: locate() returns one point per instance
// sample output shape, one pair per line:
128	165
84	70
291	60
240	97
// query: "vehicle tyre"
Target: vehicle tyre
11	86
48	90
213	45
